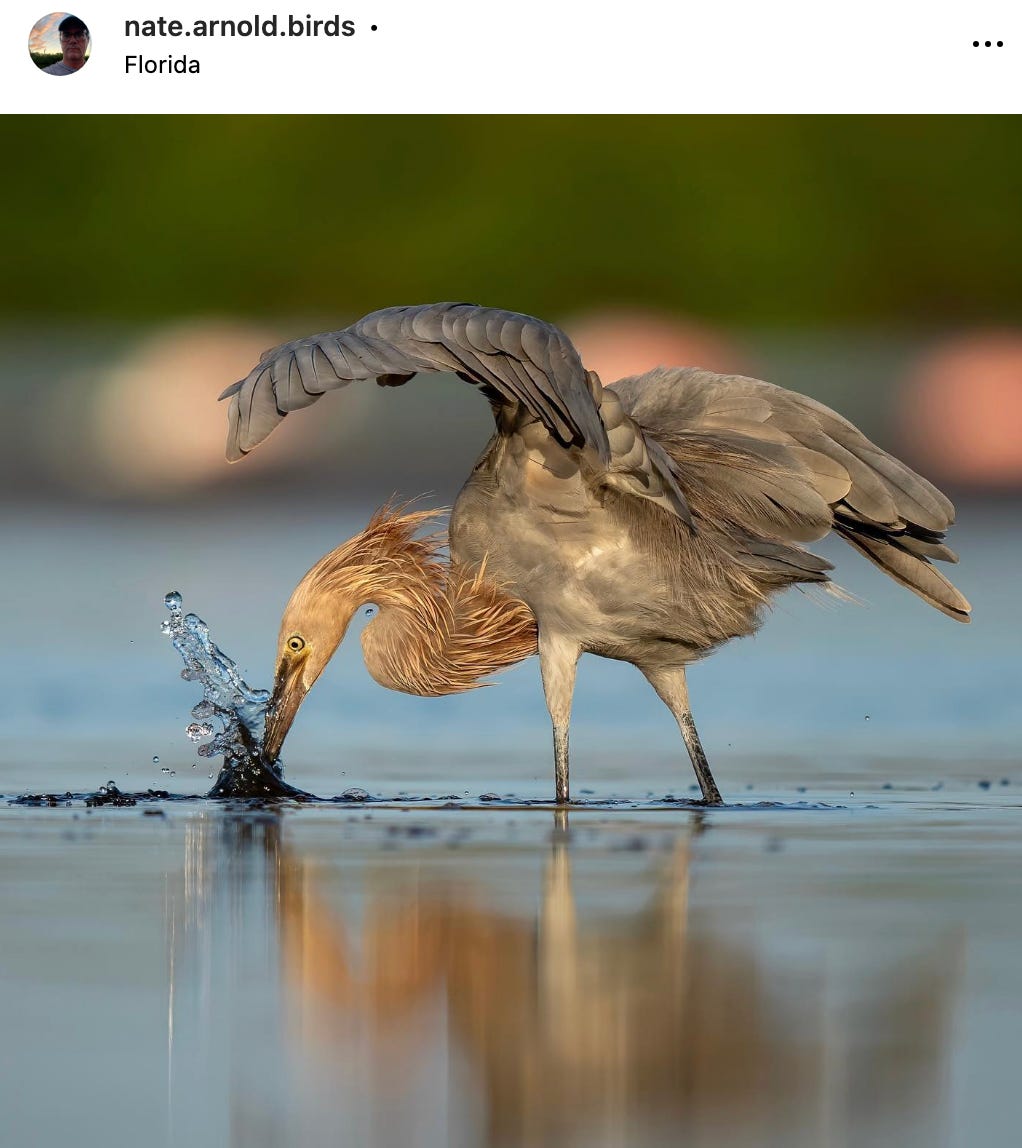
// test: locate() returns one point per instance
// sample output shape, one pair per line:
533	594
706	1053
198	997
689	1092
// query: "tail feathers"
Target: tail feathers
924	548
906	560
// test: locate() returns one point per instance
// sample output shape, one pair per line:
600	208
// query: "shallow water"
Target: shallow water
198	975
834	960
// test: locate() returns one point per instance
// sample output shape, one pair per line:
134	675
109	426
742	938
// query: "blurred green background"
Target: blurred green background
875	262
739	219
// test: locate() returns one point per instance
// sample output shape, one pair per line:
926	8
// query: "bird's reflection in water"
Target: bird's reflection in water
421	1004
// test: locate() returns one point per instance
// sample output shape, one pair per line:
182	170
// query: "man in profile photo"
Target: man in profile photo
74	43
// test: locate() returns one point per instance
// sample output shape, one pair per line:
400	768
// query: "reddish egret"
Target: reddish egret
649	520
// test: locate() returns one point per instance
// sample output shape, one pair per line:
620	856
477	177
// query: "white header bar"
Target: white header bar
455	56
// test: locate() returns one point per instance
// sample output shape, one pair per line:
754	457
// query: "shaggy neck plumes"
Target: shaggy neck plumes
441	628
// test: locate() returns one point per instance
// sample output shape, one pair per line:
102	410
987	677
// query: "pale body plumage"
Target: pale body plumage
647	521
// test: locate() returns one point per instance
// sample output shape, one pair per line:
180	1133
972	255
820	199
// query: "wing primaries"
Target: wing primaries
519	359
781	466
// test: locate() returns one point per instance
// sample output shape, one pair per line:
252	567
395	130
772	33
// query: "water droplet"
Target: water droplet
355	794
210	777
164	768
197	626
173	601
165	628
172	772
867	717
230	712
156	760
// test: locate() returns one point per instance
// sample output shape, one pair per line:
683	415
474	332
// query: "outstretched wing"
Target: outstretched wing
782	466
515	358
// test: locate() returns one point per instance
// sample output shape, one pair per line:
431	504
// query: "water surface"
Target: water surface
789	976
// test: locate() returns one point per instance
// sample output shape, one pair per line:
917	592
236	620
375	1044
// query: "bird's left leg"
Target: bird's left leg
558	659
669	682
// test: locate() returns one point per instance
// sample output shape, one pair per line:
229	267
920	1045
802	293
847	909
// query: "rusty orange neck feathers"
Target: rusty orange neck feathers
441	628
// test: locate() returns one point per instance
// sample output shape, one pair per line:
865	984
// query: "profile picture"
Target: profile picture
60	44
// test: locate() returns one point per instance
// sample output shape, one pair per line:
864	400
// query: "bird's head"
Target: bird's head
314	622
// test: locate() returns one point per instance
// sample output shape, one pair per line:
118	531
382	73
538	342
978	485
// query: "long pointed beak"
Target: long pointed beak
289	692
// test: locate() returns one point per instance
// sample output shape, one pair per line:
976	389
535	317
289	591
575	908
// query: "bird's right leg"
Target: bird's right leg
558	659
669	682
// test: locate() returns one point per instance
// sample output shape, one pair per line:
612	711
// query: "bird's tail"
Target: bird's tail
905	556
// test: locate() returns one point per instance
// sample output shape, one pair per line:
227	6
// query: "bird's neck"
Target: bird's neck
442	628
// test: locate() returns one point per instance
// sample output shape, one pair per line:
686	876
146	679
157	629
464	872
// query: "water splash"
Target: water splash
231	712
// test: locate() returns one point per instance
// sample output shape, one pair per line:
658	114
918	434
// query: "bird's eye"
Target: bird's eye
295	643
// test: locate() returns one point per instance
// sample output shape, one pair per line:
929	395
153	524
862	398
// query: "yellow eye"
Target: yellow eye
295	643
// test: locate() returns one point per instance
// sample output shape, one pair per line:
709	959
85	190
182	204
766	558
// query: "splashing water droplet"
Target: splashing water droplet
230	711
156	760
173	602
197	626
165	628
165	769
867	717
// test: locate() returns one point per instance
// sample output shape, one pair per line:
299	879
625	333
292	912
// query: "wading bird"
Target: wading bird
649	520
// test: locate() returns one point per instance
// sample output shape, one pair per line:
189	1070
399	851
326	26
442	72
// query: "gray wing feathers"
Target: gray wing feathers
639	465
783	466
915	499
785	563
914	572
517	358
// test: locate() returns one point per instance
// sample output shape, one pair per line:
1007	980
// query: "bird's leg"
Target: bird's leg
672	687
558	659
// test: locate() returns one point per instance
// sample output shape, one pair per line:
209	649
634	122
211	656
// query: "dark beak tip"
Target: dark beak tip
285	701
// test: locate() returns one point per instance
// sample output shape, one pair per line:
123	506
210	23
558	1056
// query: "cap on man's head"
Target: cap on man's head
72	24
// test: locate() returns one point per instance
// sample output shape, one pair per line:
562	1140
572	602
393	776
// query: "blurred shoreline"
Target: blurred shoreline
120	414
